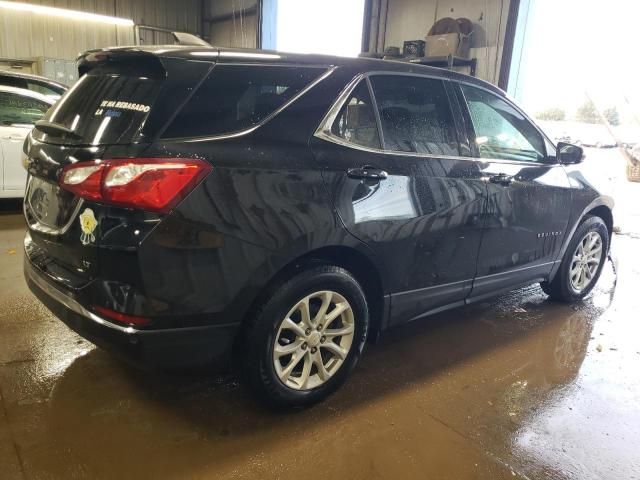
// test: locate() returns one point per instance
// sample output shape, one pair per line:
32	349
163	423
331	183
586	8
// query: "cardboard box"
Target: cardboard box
455	44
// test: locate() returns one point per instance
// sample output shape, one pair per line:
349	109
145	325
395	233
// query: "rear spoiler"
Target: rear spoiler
148	64
131	58
149	61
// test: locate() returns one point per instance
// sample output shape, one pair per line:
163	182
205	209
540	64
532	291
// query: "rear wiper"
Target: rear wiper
56	129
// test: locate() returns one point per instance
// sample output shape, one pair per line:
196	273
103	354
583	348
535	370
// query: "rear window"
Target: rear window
45	88
20	109
10	81
236	97
106	108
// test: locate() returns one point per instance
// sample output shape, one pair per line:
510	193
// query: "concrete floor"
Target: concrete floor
520	387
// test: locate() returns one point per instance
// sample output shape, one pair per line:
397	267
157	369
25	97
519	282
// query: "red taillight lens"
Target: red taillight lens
84	181
154	184
122	317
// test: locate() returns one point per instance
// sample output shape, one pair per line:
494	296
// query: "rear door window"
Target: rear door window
105	108
356	122
20	109
415	115
237	97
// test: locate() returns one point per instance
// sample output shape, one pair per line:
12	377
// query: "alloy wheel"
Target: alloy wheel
313	340
585	262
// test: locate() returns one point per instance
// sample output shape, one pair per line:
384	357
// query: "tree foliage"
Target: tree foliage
555	113
587	113
612	116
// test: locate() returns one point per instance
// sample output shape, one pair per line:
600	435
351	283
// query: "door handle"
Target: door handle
367	173
501	179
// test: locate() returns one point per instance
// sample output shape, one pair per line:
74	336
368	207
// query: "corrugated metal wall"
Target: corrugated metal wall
233	23
25	35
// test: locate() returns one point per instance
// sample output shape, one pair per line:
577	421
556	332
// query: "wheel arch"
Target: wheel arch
359	264
601	207
605	213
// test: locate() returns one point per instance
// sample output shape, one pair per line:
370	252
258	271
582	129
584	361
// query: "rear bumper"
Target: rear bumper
165	348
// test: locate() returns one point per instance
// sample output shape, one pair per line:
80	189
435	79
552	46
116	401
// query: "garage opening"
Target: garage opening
332	27
581	86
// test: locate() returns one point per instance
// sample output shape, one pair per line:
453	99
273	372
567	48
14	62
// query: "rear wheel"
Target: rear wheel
582	262
308	335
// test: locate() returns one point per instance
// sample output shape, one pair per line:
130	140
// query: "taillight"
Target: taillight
154	184
122	317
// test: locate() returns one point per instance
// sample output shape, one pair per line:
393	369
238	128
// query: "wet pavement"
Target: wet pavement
520	387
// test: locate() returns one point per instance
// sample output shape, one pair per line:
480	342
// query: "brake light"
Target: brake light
122	317
154	184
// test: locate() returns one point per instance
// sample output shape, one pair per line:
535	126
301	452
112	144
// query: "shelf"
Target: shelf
448	62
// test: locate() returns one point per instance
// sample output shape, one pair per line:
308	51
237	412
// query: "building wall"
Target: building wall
235	23
394	21
25	35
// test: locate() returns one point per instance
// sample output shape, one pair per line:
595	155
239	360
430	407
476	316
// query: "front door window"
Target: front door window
502	132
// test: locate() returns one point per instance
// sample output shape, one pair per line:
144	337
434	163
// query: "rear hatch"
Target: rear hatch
113	111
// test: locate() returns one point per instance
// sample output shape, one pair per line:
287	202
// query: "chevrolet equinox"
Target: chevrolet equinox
271	212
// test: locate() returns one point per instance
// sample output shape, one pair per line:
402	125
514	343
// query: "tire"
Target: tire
267	375
562	287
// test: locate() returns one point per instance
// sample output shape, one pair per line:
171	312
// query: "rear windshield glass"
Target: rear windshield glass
13	81
45	88
20	109
105	109
236	97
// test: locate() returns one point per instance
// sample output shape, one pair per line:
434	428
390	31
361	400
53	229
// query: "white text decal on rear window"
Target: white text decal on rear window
137	107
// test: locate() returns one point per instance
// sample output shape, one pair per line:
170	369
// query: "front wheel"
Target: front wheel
582	262
303	342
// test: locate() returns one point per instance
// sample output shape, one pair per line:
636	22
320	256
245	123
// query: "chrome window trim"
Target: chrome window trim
272	115
376	114
340	141
39	227
323	132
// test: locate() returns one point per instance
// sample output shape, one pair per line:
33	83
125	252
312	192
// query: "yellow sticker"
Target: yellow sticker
88	224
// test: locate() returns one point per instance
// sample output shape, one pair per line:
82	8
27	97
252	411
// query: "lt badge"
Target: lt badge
88	224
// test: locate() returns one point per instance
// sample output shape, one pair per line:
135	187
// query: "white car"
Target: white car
36	83
20	109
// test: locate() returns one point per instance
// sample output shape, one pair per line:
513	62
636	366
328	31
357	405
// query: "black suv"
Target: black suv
203	206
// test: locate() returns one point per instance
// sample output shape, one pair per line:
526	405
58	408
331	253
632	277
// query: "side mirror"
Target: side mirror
568	154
